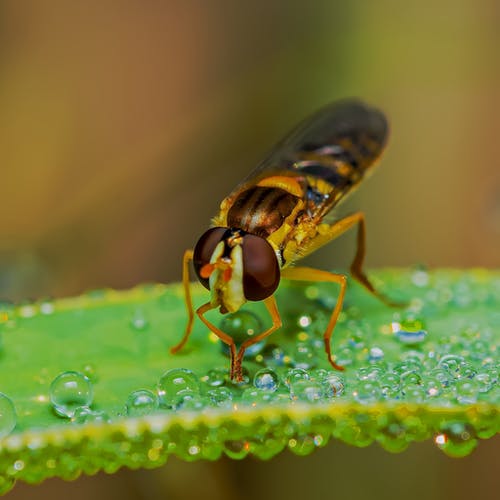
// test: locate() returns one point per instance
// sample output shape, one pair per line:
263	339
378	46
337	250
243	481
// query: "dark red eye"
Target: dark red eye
204	249
261	272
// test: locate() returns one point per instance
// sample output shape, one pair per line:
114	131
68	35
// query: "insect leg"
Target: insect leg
187	258
310	274
271	306
223	336
356	269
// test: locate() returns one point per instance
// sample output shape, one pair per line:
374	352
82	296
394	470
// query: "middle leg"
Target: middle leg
310	274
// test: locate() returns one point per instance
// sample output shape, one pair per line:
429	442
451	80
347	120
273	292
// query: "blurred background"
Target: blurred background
124	124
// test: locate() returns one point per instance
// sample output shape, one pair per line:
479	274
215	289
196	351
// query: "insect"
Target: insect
276	216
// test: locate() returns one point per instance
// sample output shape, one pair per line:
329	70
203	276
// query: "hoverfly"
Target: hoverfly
277	215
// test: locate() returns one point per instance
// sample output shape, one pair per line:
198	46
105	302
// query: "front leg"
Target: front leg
187	258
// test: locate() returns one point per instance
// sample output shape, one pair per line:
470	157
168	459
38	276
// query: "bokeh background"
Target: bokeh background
123	124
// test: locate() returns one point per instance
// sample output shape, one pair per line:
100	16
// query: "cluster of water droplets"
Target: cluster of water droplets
443	371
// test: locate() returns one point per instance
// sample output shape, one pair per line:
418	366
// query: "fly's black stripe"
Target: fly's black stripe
273	205
258	202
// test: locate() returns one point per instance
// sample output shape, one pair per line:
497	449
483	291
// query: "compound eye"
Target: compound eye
261	272
204	249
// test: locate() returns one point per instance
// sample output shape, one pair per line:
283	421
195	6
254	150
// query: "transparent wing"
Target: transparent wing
331	150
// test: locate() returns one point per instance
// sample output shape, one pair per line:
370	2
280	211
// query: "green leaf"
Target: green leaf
429	371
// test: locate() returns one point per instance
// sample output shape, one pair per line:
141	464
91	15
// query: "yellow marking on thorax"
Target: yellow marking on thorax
289	184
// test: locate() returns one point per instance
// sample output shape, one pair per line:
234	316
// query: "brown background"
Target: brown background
123	125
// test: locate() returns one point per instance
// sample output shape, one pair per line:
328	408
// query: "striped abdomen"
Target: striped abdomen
261	210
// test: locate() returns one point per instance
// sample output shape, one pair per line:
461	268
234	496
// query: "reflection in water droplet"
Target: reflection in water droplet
141	402
266	380
334	385
175	385
241	326
8	417
215	377
69	391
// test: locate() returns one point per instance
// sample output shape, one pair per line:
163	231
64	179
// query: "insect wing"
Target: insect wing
332	149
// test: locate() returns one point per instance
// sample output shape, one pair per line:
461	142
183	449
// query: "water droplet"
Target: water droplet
303	356
241	326
266	380
344	356
307	390
141	402
456	439
452	364
408	365
376	354
8	417
413	392
90	372
420	277
410	378
334	385
441	439
138	321
174	385
484	381
390	384
311	292
191	401
432	387
304	321
369	373
69	391
367	392
46	306
236	449
411	337
215	377
84	415
274	355
18	465
442	376
294	375
256	397
467	391
220	396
